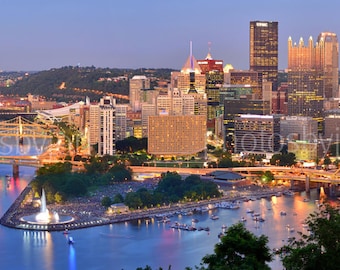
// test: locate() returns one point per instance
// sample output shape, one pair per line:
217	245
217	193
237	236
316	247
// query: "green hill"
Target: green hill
75	83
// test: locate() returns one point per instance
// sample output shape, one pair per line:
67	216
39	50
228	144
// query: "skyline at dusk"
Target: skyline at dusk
39	35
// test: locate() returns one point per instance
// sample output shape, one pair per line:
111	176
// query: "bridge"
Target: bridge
21	127
35	161
304	175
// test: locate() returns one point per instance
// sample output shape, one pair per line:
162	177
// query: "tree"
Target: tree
267	177
320	248
106	201
283	159
239	249
327	161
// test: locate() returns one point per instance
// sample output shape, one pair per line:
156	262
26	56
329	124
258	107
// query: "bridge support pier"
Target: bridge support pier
292	182
332	190
307	184
15	170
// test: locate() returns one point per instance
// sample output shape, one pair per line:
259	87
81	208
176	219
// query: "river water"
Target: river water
137	244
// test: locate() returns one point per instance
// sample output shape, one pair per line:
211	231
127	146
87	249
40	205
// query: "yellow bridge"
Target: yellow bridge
21	127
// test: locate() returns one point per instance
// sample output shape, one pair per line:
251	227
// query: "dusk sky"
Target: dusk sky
42	34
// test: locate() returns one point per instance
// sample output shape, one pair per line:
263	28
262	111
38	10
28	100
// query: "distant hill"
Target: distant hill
75	83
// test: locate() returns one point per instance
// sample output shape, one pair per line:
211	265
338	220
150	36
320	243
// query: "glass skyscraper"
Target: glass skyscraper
263	50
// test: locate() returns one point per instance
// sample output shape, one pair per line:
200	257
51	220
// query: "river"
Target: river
137	244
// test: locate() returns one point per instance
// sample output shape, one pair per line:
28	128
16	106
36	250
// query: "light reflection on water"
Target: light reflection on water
137	244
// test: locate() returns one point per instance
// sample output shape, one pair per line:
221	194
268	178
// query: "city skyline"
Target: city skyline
131	34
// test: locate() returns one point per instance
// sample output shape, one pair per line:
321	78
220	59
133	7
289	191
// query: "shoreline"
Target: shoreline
99	216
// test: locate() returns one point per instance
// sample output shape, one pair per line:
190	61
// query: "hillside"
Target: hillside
75	83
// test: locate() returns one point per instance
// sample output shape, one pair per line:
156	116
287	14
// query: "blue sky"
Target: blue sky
45	34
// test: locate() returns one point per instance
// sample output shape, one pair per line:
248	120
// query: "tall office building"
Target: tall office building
138	84
176	135
294	128
245	77
306	80
121	121
257	134
107	133
190	78
263	50
329	46
213	70
94	124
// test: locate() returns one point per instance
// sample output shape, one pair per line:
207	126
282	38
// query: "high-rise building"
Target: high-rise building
138	84
213	70
190	78
259	134
94	125
176	135
330	57
234	108
263	50
107	134
245	77
306	80
294	128
147	110
121	121
332	126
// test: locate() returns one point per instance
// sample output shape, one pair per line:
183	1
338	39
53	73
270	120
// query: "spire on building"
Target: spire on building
209	57
191	64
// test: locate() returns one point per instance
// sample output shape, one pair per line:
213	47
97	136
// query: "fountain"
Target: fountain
44	216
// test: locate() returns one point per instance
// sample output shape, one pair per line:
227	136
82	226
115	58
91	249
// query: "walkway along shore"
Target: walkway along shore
84	219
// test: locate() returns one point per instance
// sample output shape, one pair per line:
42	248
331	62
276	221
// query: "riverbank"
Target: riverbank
88	211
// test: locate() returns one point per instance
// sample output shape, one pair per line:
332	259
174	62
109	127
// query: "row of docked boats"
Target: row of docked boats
182	226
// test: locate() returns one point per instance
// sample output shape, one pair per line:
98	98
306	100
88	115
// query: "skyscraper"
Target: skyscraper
138	84
330	63
107	132
213	70
263	50
305	80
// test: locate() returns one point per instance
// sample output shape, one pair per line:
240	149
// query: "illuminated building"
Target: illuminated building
305	80
213	70
303	150
234	101
176	135
329	45
121	121
263	50
135	127
190	77
280	100
252	79
332	125
258	134
299	128
137	85
147	110
107	132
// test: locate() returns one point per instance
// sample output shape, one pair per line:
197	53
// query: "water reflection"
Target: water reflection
41	242
72	258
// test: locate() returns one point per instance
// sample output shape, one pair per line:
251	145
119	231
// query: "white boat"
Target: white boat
70	240
243	219
214	217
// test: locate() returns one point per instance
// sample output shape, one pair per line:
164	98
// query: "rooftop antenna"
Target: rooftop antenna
191	57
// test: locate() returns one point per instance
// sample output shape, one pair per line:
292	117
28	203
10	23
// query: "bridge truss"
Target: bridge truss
21	127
